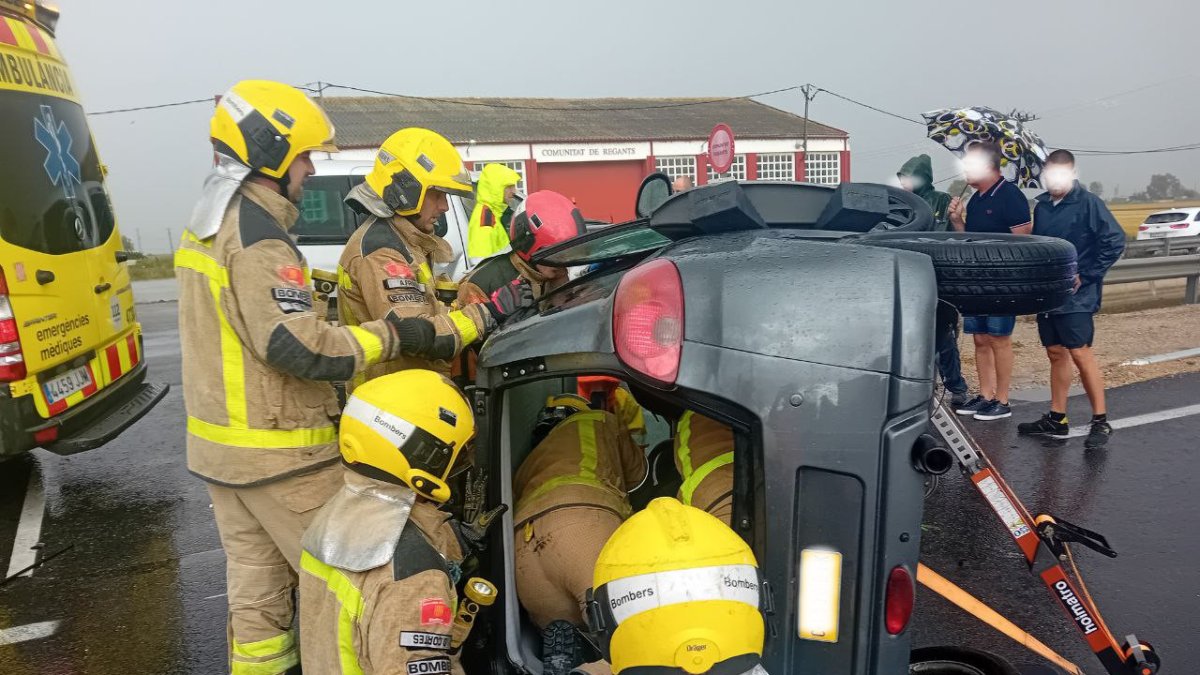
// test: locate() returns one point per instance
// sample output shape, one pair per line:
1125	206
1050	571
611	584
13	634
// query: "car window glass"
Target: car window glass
48	175
1157	218
324	215
608	244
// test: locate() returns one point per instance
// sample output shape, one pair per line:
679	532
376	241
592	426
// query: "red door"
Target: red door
601	190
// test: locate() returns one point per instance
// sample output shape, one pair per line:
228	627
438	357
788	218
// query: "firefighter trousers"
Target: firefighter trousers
260	529
556	554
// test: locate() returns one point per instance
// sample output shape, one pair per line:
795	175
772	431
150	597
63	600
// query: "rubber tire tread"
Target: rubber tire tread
992	274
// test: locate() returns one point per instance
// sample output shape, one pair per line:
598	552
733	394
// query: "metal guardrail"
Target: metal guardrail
1132	270
1164	246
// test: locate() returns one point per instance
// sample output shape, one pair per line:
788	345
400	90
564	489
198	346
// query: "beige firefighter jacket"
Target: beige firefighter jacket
495	272
395	618
387	267
704	458
587	460
257	360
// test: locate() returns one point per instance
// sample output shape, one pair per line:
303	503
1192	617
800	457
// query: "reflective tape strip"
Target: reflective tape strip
693	481
271	647
392	429
633	595
465	326
586	422
271	667
261	438
684	451
350	607
233	365
21	33
370	343
197	261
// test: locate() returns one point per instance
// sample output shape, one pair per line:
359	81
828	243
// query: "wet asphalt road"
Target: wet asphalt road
141	588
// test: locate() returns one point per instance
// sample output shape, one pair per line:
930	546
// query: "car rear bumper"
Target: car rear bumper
86	426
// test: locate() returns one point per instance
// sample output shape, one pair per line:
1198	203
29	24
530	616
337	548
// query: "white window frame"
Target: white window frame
823	168
517	165
737	170
779	166
676	166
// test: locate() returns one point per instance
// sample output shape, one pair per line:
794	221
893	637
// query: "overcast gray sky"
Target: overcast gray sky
1103	75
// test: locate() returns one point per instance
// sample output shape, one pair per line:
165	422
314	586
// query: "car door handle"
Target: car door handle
44	277
122	256
102	287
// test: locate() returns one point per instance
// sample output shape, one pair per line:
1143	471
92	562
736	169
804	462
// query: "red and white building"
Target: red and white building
597	151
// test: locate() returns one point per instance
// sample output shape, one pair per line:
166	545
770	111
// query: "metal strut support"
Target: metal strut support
1045	544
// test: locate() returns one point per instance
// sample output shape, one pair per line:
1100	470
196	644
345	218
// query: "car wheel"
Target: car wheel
991	274
957	661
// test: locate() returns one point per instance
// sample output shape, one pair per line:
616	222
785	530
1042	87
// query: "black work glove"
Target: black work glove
419	338
510	298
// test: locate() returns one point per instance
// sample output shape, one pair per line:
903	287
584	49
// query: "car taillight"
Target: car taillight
1143	228
648	320
1179	226
12	361
898	606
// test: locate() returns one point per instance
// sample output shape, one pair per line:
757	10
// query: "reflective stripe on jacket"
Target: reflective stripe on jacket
257	360
386	268
704	458
395	618
588	459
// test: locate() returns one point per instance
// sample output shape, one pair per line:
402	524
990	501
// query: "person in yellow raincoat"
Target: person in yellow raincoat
487	233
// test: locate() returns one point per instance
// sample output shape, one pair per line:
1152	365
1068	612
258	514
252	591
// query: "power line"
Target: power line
152	107
871	107
486	104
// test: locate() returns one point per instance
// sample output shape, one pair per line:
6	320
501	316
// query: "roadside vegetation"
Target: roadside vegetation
160	266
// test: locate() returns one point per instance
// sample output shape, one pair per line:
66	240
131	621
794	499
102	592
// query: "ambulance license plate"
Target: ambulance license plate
66	384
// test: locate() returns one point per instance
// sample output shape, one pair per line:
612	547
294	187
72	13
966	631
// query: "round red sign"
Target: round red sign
720	148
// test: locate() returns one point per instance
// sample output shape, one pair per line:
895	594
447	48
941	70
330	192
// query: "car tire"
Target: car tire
946	660
992	274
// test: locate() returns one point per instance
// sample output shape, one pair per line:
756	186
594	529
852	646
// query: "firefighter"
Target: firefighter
543	219
704	459
258	362
572	494
381	561
676	591
487	231
387	265
609	393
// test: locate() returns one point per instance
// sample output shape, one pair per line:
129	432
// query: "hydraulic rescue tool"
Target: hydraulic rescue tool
1045	543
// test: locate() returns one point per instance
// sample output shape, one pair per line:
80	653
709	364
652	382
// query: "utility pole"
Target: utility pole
138	231
171	240
810	92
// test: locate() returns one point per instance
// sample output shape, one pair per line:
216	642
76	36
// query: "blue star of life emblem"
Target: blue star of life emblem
60	165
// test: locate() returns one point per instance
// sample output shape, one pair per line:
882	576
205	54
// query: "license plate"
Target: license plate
1156	235
66	384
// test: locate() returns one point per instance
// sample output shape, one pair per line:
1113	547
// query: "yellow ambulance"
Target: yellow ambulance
71	368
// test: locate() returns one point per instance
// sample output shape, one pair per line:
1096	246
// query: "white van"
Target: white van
326	222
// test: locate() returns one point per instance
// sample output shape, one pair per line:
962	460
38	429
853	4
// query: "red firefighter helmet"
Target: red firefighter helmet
543	219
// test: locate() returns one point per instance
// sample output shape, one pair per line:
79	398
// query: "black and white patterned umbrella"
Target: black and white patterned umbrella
1023	153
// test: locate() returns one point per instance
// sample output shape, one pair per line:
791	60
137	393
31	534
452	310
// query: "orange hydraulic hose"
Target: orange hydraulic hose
973	606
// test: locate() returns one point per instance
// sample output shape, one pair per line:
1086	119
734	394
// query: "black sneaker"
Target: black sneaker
958	400
1098	436
994	410
972	406
1044	427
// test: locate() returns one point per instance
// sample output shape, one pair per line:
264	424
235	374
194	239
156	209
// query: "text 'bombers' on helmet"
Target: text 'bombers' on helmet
265	125
413	161
675	588
408	427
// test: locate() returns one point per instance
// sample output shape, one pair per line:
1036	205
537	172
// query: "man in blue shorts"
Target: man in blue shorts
1070	212
997	206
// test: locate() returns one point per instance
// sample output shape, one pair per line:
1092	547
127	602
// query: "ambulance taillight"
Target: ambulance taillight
12	361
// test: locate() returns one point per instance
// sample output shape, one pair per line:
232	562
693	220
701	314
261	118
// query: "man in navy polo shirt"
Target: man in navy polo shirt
1070	212
997	206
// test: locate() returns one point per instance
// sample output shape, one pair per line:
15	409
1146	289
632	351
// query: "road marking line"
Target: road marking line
30	631
29	528
1138	420
218	595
